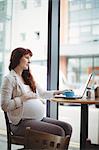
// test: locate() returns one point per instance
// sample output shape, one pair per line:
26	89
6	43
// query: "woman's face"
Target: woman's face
24	62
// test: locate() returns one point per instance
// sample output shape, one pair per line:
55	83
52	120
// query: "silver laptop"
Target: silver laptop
78	93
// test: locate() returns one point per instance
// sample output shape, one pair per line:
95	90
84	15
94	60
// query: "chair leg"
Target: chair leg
9	143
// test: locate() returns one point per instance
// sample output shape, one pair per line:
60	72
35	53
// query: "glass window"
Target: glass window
1	39
2	6
73	70
74	24
85	22
81	49
95	29
1	67
96	62
96	70
74	32
23	4
36	3
85	29
95	13
86	64
88	4
82	27
74	5
85	14
20	29
96	21
1	26
97	3
73	40
23	36
72	18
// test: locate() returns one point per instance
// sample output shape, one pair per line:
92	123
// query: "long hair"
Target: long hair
16	55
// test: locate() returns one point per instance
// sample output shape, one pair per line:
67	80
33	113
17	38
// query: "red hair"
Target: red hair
16	55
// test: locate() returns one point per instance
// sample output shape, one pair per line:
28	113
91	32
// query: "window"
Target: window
2	6
95	29
74	5
73	71
36	3
1	39
77	69
23	36
20	30
23	4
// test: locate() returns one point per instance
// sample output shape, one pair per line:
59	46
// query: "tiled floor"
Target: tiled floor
3	144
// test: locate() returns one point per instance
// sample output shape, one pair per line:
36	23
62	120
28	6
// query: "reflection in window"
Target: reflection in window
1	26
95	29
1	39
86	63
74	5
74	40
73	70
36	3
85	22
96	61
81	49
77	69
1	66
2	6
74	32
96	70
85	29
23	36
96	21
88	4
97	3
23	4
19	30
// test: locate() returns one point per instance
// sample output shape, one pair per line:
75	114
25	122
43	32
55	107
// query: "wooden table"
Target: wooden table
84	115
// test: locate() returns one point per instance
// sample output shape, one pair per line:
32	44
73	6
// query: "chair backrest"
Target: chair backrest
7	124
40	140
12	139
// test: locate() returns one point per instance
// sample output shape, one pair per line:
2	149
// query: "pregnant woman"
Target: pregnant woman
21	98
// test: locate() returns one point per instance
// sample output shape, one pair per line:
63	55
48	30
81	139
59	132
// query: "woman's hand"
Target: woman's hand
28	96
57	92
61	92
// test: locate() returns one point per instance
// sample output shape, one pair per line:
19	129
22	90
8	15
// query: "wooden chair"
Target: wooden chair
12	139
91	146
37	140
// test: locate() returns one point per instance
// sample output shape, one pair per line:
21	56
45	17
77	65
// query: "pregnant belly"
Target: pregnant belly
34	109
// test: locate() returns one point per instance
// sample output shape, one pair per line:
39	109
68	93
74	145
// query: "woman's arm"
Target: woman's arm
10	101
47	94
7	102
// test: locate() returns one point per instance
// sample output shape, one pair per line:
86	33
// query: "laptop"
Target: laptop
78	93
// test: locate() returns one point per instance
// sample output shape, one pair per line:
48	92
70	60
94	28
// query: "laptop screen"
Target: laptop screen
84	87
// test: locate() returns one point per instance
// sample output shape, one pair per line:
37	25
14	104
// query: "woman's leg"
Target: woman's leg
37	125
66	126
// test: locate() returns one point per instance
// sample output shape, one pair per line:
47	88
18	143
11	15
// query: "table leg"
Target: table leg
84	126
